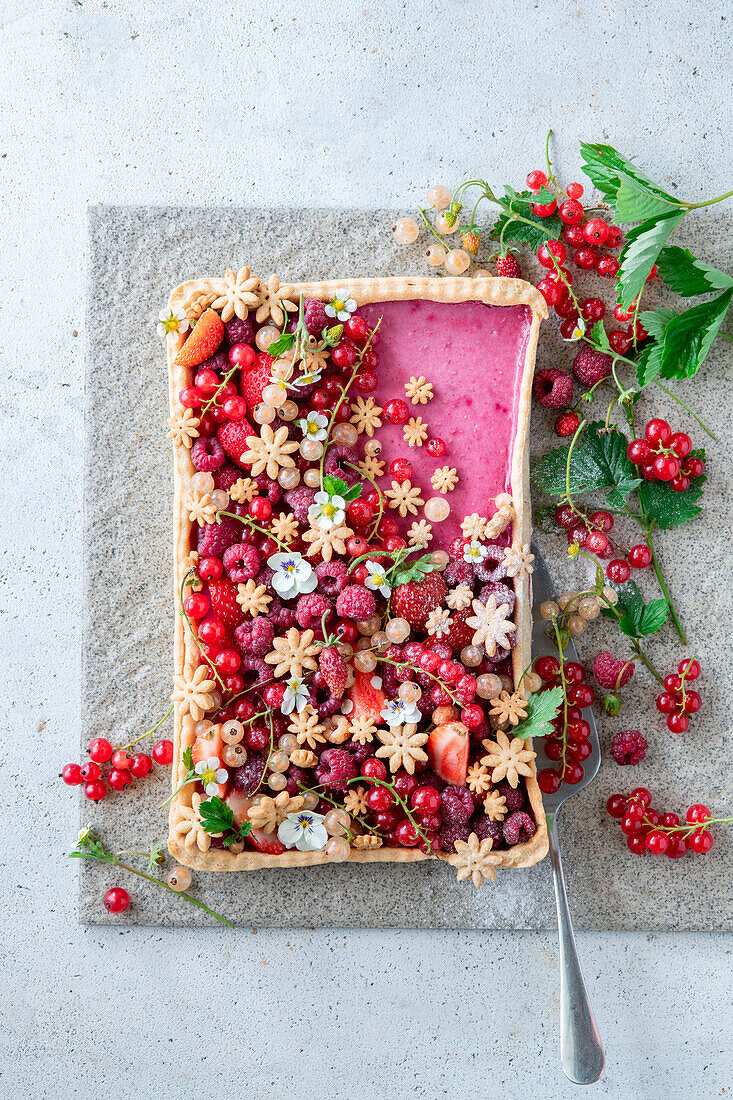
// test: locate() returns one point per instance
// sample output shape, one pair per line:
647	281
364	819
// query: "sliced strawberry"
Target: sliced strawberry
368	700
207	334
252	380
233	437
239	803
224	606
207	745
448	752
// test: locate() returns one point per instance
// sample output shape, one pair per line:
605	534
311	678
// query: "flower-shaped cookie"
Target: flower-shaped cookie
415	432
473	860
507	759
183	428
243	490
402	745
420	534
366	415
491	625
518	561
509	708
195	694
326	543
419	390
292	653
274	302
269	452
189	829
241	294
405	498
444	479
253	598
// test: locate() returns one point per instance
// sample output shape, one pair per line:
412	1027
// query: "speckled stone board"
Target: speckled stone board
136	254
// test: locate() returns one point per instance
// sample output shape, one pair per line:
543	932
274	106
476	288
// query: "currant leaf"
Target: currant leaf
187	758
283	343
542	707
668	508
686	275
535	234
688	336
598	462
643	245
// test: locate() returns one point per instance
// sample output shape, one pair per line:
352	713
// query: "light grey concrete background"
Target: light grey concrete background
316	104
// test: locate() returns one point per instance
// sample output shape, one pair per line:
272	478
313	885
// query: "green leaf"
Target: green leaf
598	462
653	617
643	245
334	486
609	169
634	205
414	571
542	707
686	275
637	618
688	336
599	336
216	816
535	234
655	321
649	363
244	831
283	343
668	508
187	758
353	493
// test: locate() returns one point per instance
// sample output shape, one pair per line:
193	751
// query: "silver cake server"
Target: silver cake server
581	1050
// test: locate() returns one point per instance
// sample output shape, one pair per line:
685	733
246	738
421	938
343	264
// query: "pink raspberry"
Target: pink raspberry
457	805
500	592
590	366
518	828
628	747
268	488
311	608
218	362
241	562
492	568
458	572
449	834
299	501
207	454
332	576
226	476
514	796
355	602
553	388
249	776
482	827
335	768
239	332
295	777
607	670
340	462
214	538
315	317
255	636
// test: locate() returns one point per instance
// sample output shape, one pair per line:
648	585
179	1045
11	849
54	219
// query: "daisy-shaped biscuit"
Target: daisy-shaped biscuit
405	498
285	527
292	653
402	746
419	390
459	597
507	759
491	625
495	806
509	708
444	479
362	730
518	561
326	543
243	490
355	801
415	432
199	507
473	526
372	467
189	828
269	452
241	294
194	693
182	428
366	415
473	860
420	534
478	779
438	622
307	728
274	303
253	598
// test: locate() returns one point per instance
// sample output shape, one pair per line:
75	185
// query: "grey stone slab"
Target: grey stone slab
135	255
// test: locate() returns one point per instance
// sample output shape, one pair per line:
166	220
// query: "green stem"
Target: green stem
707	202
432	228
686	408
255	527
150	732
662	584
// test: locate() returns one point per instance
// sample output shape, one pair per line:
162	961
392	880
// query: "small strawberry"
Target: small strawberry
207	334
253	379
233	437
415	600
471	241
333	669
459	635
224	606
507	267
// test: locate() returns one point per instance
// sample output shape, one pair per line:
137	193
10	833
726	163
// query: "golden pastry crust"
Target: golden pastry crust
491	291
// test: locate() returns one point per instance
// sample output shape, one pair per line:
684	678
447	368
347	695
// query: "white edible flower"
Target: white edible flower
314	426
578	331
211	774
327	511
475	552
377	579
397	712
341	307
172	320
295	697
304	831
293	575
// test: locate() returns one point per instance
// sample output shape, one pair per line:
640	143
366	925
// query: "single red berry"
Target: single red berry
618	571
116	900
677	847
71	775
607	266
574	190
678	723
227	661
568	327
207	381
210	569
356	546
196	605
211	631
356	328
547	668
570	212
636	844
701	841
616	805
344	356
658	431
472	716
119	778
595	231
140	764
536	180
549	781
235	407
666	467
585	257
619	341
95	790
596	542
692	702
579	731
698	814
120	760
641	795
435	447
396	411
100	750
592	309
274	694
630	824
578	534
694	466
549	250
163	752
550	291
640	556
680	443
565	516
657	842
565	308
366	381
672	682
544	209
573	234
572	773
574	672
393	542
689	668
401	468
567	424
191	397
373	768
602	519
680	484
582	695
614	237
90	771
380	799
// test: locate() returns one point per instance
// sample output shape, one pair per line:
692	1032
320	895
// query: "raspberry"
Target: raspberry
518	828
514	796
482	827
355	602
315	317
502	594
249	776
214	538
241	562
335	768
607	670
295	777
591	366
492	568
449	834
429	778
207	454
311	608
553	388
359	752
458	572
299	501
628	747
218	362
226	476
457	805
268	488
339	462
332	577
281	617
239	332
255	636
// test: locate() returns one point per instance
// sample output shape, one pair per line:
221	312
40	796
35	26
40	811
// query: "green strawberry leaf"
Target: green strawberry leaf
244	831
686	275
655	321
414	571
353	493
668	508
537	232
283	343
609	169
640	251
653	617
599	336
649	363
688	336
634	205
335	486
216	816
187	758
542	707
598	462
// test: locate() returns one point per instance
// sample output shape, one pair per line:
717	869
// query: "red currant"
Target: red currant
570	212
544	209
640	556
565	516
657	842
210	569
549	250
614	237
572	773
360	512
472	716
595	231
163	752
574	190
71	775
672	682
380	799
95	790
396	411
620	341
618	571
116	900
698	814
406	834
196	605
536	180
680	484
666	467
356	328
593	309
260	509
90	771
401	468
567	327
373	768
207	381
565	308
680	443
435	447
636	844
191	397
550	291
694	467
119	778
235	407
641	795
585	258
140	764
596	542
547	667
616	805
678	723
120	760
701	841
602	519
689	668
677	847
658	431
578	534
100	750
211	631
549	781
241	355
693	702
573	234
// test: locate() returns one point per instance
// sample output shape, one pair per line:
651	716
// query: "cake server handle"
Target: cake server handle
581	1050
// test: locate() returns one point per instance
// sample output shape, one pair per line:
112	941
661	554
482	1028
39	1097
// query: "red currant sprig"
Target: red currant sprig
646	829
664	455
677	702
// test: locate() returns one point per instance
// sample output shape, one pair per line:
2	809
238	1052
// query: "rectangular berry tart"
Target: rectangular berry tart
352	573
